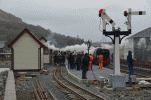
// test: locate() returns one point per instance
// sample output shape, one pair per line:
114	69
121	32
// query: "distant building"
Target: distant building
2	45
5	52
140	45
27	52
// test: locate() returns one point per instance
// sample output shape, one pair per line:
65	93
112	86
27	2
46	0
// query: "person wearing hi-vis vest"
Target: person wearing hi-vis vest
90	62
100	61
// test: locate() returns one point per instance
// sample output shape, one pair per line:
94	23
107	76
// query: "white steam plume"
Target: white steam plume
77	48
47	44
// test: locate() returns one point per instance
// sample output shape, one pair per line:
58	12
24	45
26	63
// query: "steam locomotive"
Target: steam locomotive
106	56
59	57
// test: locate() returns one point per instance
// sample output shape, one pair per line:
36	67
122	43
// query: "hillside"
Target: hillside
11	26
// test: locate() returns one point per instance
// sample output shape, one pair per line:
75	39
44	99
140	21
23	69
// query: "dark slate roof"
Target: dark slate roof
143	33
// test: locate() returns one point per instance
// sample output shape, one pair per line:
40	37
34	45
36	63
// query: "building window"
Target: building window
45	50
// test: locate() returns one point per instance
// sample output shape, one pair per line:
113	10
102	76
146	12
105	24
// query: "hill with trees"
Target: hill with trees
11	26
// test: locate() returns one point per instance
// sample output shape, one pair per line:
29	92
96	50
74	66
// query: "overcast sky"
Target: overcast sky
78	17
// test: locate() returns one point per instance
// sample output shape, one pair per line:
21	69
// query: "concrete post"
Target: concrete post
129	19
116	57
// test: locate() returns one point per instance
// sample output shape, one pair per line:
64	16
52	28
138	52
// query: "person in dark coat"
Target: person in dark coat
78	61
130	63
63	59
55	59
75	64
68	61
71	60
85	65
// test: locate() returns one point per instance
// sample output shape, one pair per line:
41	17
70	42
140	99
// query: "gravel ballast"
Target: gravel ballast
24	88
139	94
49	84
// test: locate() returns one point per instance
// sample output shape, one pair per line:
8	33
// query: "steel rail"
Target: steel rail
33	97
88	93
126	71
40	90
51	95
36	94
67	88
43	91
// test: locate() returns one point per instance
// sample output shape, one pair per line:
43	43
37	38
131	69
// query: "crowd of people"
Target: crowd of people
74	61
79	62
82	62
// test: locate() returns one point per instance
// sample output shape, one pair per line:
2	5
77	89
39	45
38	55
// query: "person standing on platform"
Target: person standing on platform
71	60
63	59
78	61
85	65
90	62
55	59
130	63
82	56
68	61
100	61
75	64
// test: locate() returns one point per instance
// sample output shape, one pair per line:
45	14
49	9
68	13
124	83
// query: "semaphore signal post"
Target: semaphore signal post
116	79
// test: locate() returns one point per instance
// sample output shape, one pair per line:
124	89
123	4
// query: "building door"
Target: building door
39	58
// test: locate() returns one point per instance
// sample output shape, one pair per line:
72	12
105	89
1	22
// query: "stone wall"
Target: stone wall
3	77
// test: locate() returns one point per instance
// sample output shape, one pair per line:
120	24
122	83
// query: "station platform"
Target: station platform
10	92
95	74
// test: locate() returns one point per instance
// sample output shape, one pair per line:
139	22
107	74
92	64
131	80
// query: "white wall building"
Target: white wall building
27	52
47	52
139	44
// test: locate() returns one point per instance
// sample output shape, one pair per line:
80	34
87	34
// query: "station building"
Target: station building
26	52
5	52
47	53
140	45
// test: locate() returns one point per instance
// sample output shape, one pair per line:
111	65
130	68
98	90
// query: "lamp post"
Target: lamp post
89	45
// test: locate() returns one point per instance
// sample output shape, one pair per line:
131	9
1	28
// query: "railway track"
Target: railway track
38	91
51	95
74	91
124	69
